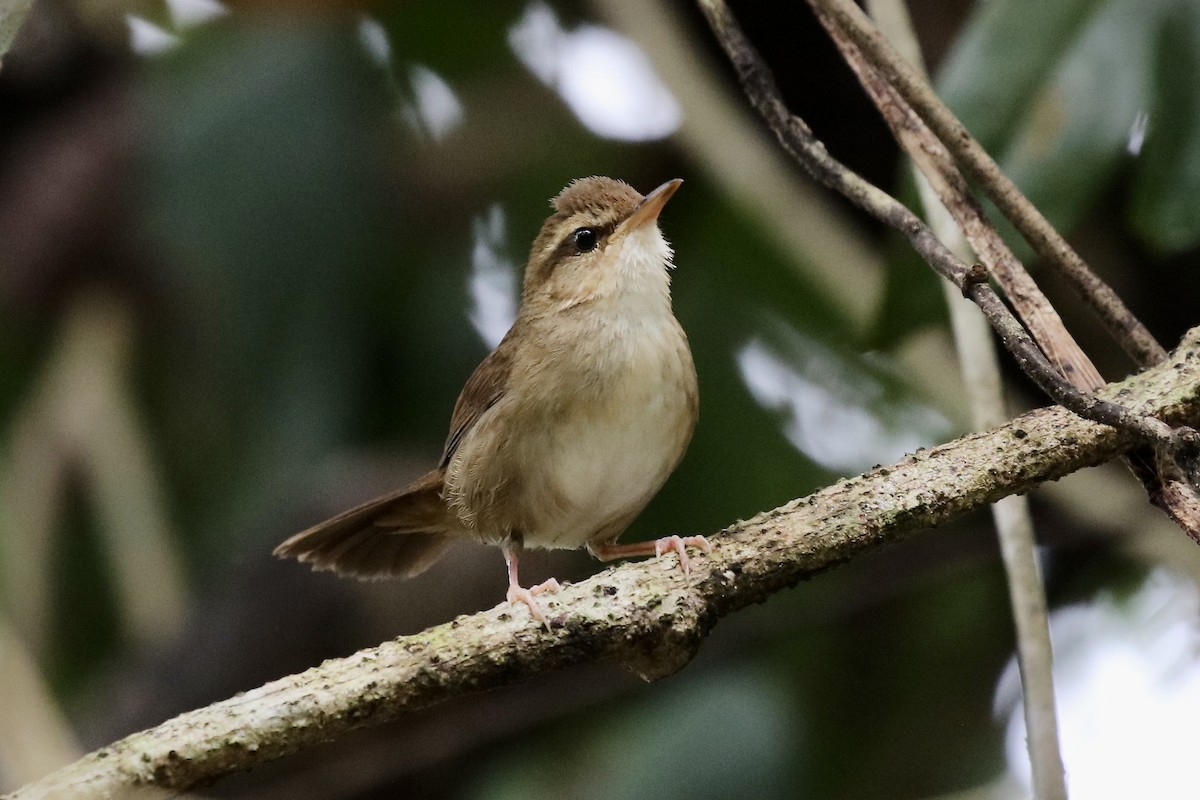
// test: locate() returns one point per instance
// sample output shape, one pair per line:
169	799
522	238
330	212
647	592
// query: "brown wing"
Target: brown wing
484	388
399	534
404	532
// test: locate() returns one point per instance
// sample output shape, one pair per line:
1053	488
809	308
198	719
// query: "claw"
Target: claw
680	544
516	594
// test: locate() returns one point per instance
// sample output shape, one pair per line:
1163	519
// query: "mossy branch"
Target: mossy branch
647	616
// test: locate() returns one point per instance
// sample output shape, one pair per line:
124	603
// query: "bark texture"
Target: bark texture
647	616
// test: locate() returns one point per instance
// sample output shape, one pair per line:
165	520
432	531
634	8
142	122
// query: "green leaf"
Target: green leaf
1056	91
1005	52
1074	136
1165	209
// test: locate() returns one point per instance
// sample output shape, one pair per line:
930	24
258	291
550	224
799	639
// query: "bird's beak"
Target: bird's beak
648	210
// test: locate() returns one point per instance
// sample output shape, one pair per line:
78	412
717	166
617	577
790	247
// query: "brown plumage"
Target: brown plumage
568	428
398	535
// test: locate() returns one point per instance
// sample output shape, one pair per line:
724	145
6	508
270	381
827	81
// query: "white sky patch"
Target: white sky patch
493	284
537	39
835	414
1137	133
374	39
190	13
437	106
1127	676
148	39
603	77
429	105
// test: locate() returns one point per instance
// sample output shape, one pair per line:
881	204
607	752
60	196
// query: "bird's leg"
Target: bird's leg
676	544
511	548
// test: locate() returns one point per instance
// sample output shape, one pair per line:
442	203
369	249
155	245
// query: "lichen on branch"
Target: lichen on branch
647	615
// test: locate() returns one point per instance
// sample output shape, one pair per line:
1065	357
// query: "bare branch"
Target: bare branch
797	139
1134	338
1177	498
937	165
1014	524
647	616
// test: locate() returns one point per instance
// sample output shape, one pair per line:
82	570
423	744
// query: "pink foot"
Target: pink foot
674	544
516	594
680	545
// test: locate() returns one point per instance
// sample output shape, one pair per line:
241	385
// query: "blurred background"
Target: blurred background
250	254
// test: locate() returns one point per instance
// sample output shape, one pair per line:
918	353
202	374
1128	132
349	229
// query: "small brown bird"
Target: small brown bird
568	428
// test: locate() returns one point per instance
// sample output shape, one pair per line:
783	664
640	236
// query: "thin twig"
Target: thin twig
34	733
1035	654
1014	525
936	163
1176	497
647	616
797	139
79	422
1132	335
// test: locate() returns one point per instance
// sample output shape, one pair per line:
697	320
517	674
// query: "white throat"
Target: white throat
641	282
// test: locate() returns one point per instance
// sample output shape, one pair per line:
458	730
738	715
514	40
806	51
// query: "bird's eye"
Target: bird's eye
585	239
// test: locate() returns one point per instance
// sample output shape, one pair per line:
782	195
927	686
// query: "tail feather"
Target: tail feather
400	534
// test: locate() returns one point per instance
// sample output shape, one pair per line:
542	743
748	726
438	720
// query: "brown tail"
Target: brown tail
398	535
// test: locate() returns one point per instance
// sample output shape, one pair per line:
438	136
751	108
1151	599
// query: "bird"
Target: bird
568	428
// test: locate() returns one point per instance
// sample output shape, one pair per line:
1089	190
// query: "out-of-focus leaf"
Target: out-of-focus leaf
1166	191
1003	55
12	16
729	733
425	33
1061	125
86	625
259	191
840	410
1076	133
